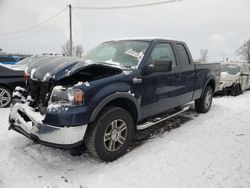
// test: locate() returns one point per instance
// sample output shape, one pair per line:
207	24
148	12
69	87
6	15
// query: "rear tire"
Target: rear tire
203	104
5	97
110	136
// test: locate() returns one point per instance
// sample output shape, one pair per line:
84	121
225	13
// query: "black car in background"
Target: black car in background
12	76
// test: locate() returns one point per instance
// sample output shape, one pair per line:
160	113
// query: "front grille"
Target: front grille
39	92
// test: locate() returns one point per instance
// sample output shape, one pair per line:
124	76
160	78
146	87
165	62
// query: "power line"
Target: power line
129	6
27	35
35	26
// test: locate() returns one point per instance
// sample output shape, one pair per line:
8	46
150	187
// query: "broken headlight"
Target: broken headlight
67	96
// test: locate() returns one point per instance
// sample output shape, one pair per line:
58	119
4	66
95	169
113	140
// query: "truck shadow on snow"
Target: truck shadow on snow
156	130
163	127
38	152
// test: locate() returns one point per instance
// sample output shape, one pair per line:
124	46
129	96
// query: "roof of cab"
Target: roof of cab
149	39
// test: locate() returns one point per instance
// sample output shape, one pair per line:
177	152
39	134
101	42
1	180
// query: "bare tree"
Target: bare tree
244	51
66	48
76	50
204	57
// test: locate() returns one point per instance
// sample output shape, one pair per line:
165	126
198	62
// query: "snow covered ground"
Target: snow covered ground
209	150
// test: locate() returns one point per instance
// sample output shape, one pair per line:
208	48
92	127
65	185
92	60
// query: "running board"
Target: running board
158	119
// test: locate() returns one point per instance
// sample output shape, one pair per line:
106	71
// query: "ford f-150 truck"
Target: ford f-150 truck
119	88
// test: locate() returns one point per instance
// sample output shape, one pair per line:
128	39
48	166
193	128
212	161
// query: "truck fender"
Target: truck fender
112	97
211	79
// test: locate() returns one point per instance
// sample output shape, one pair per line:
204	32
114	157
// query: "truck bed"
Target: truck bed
203	72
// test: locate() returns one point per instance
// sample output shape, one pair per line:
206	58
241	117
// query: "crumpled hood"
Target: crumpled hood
56	67
228	77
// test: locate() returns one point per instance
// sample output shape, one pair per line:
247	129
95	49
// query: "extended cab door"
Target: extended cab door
187	73
161	89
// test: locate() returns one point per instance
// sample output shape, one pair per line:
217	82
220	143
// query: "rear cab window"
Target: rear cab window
183	55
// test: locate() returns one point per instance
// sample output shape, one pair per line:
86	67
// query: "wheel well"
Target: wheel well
212	84
6	87
125	104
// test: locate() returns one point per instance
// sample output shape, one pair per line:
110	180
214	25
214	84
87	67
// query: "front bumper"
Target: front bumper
224	85
24	120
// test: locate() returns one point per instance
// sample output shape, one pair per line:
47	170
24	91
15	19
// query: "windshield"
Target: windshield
230	68
124	53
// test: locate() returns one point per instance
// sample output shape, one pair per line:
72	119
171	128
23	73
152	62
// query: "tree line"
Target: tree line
243	52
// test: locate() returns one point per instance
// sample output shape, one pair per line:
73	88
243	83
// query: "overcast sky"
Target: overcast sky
220	26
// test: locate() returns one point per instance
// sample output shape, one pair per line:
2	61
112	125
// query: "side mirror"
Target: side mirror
160	66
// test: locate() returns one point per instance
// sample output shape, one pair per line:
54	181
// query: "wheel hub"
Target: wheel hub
208	99
115	135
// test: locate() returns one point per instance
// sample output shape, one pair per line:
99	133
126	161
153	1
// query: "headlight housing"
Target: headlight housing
67	96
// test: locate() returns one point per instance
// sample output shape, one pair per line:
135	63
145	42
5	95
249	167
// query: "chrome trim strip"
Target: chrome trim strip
149	124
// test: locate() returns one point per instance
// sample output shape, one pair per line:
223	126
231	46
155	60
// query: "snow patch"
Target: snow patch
47	77
32	72
83	83
89	62
35	116
211	150
86	84
67	72
127	72
18	88
16	94
54	107
131	93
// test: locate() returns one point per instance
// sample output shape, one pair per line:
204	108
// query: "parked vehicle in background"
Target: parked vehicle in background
7	59
235	78
12	76
121	87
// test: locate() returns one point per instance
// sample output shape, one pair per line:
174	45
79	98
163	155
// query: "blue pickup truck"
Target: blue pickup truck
119	88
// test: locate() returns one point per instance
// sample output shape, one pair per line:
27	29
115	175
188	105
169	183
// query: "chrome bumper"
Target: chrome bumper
46	134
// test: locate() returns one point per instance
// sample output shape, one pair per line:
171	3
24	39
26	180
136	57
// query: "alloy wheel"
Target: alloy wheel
5	97
115	135
208	100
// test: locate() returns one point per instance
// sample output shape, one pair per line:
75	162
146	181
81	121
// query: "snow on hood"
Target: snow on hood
59	67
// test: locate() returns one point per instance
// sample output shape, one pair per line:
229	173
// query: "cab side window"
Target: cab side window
163	51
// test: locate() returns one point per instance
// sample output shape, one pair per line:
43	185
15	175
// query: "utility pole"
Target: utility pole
70	32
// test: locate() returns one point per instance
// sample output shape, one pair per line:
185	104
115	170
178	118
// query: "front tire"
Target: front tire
5	97
236	90
203	104
110	136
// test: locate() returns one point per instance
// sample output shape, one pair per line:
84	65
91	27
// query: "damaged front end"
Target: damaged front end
28	117
51	109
